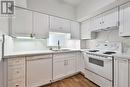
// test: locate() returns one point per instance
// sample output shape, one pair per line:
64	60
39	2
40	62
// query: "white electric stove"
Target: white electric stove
99	63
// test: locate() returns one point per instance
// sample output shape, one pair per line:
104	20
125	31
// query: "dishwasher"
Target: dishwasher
39	70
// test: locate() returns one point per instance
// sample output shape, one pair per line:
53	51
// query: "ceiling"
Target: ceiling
72	2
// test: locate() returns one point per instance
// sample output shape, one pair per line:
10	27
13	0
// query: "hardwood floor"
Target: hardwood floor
74	81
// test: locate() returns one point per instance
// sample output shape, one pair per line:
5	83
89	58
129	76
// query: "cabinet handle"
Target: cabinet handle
31	35
64	62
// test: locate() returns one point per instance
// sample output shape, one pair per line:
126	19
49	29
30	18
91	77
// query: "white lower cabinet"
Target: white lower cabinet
64	64
121	74
39	70
15	76
58	68
80	65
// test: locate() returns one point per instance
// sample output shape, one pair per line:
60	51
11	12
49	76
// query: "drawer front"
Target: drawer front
16	61
16	73
63	55
16	83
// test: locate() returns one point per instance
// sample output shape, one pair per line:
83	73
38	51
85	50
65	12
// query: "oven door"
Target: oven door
99	65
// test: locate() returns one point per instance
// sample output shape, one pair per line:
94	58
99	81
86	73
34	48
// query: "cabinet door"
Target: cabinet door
39	72
41	25
22	23
59	69
80	62
71	66
124	20
4	28
75	30
110	19
59	25
85	30
96	23
121	73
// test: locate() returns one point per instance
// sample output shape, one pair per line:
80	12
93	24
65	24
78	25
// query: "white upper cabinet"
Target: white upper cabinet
59	25
75	30
95	23
107	20
27	23
86	30
4	28
124	20
22	23
41	25
21	3
110	20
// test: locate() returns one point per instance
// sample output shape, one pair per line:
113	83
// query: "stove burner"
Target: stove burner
109	53
93	50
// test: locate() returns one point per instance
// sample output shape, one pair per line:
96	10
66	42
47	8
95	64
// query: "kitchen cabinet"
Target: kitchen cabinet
59	69
95	23
59	25
30	24
80	65
70	65
39	70
124	20
105	21
121	72
86	30
21	3
4	25
75	30
41	25
22	23
110	19
63	65
14	72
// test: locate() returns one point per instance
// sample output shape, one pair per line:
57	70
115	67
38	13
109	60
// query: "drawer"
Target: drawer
16	73
16	83
16	61
64	55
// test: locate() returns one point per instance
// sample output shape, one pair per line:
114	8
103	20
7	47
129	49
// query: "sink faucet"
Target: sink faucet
58	45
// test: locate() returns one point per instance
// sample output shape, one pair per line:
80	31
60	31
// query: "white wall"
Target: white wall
110	36
53	7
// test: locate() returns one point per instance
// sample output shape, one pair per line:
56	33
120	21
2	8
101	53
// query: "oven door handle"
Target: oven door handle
106	60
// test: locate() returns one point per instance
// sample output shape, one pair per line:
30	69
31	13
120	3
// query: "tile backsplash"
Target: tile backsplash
22	45
112	36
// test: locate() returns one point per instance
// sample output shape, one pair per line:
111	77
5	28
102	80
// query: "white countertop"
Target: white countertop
122	55
29	53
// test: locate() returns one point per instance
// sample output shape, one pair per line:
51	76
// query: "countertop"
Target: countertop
31	53
122	55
